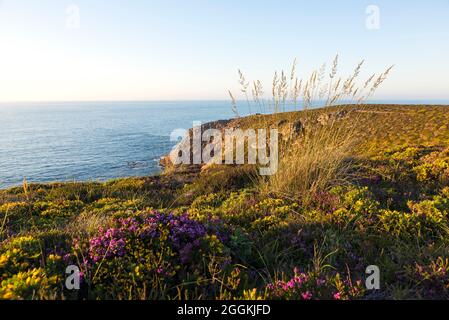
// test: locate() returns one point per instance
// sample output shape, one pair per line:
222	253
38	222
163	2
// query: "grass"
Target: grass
316	162
318	153
357	185
212	233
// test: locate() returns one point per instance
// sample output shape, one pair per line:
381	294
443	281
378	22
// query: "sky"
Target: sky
57	50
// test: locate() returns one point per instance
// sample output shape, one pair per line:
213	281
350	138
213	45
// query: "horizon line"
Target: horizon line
198	100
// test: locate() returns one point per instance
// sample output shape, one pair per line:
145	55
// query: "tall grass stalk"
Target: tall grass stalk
319	158
316	162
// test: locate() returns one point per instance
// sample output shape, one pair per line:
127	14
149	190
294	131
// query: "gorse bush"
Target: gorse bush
23	274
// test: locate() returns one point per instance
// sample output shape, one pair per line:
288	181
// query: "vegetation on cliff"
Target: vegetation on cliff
221	232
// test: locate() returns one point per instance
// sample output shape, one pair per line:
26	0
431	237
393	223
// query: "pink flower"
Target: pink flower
320	282
291	284
337	296
306	295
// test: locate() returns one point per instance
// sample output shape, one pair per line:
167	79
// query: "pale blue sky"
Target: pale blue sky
178	49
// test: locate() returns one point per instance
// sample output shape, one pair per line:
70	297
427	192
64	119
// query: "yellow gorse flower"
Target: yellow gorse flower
3	260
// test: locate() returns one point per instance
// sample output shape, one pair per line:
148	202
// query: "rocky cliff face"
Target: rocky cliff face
221	125
289	125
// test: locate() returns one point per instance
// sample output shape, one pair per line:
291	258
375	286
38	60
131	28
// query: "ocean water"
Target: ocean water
47	142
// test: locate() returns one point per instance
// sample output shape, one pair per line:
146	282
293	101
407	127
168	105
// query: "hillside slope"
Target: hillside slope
209	233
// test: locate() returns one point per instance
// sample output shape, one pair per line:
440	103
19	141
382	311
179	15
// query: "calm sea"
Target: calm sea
47	142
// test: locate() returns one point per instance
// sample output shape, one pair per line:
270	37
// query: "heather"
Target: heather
216	233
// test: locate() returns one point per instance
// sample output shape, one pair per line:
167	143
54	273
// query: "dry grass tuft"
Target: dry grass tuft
322	88
319	158
316	162
87	224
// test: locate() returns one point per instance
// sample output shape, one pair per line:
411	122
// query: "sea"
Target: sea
98	141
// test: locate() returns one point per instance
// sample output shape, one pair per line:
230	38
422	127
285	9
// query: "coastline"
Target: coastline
164	162
187	221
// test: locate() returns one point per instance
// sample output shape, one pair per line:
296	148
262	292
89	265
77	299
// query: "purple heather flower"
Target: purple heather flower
320	282
291	284
306	295
107	246
82	277
66	258
185	235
